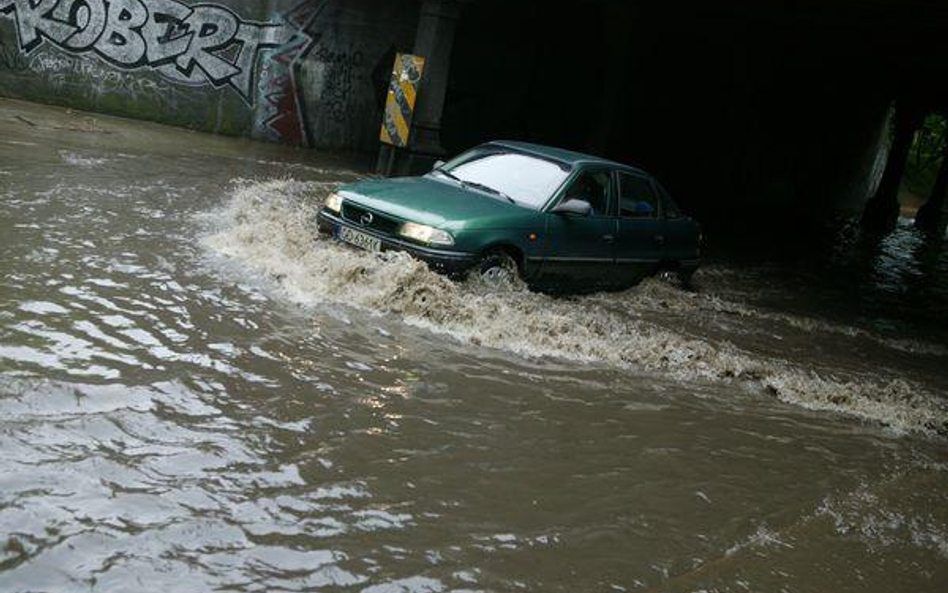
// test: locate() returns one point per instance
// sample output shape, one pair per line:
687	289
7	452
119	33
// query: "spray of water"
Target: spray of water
269	227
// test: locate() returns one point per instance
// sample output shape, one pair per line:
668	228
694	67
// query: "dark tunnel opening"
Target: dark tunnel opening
770	117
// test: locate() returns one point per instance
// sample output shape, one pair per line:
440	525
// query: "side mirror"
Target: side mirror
437	165
574	206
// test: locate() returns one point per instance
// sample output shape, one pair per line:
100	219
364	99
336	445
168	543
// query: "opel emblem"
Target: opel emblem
366	219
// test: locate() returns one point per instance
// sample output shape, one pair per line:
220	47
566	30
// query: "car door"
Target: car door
578	249
640	239
681	233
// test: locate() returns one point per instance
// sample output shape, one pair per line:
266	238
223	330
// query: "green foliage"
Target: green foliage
926	155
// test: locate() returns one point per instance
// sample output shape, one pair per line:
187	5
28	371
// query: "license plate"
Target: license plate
360	240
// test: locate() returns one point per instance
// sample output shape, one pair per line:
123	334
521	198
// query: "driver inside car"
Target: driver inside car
591	190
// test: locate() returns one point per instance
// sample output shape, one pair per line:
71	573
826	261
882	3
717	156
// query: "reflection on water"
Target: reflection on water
198	394
893	284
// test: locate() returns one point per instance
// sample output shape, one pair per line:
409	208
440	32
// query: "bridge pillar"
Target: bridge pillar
882	210
434	41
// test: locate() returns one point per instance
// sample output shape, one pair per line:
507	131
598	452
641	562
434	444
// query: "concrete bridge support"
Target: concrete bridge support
437	21
882	210
434	41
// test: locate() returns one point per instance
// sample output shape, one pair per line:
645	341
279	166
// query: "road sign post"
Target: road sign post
399	108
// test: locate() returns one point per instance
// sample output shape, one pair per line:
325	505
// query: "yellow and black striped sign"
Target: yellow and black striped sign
402	92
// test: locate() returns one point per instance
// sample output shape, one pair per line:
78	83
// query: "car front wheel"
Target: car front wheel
497	268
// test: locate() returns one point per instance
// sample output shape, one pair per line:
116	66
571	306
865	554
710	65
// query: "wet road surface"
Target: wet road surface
199	394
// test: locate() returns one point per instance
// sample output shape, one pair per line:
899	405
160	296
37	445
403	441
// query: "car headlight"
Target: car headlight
425	234
333	203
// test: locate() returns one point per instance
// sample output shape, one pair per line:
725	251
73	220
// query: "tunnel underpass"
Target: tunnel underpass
199	385
748	113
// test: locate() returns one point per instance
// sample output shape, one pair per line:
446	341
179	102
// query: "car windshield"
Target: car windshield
525	179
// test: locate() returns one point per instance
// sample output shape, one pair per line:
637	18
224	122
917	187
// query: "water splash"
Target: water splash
80	160
269	226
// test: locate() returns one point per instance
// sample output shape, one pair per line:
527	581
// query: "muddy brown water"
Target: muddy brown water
199	394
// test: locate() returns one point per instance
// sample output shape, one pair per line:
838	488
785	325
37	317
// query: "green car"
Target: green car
561	220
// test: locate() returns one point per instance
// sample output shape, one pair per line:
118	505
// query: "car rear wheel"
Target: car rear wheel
675	274
684	278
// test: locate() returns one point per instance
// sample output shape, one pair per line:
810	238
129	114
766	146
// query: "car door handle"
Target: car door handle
660	239
609	238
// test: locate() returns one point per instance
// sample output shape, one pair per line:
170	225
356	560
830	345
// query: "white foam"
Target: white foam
269	226
872	514
78	160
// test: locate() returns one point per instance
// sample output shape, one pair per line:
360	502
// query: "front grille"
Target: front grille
380	222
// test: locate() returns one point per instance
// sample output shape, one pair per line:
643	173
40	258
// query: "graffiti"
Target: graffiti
337	83
156	58
10	58
280	116
195	44
65	73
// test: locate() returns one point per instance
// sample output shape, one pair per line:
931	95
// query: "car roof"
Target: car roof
567	157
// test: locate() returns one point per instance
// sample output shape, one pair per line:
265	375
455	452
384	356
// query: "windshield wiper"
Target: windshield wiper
449	175
489	190
475	185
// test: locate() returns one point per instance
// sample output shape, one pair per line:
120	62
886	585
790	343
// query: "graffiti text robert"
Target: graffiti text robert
197	44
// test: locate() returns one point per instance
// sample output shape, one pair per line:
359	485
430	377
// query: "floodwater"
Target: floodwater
199	394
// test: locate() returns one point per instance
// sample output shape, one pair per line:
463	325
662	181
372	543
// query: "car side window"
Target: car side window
594	187
637	197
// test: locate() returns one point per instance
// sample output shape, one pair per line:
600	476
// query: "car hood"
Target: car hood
441	204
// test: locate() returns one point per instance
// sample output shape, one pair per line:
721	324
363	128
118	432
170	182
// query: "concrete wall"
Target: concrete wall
295	71
346	72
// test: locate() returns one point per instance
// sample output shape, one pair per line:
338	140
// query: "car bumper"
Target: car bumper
445	261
